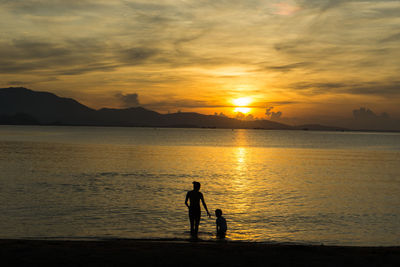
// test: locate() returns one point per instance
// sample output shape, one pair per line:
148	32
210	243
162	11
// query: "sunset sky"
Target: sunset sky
293	61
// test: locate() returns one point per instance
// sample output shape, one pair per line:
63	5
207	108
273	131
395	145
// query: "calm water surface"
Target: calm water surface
273	186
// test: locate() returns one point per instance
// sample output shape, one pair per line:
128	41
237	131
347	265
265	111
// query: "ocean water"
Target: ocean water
333	188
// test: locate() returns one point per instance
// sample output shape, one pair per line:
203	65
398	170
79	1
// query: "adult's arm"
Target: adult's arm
186	200
204	205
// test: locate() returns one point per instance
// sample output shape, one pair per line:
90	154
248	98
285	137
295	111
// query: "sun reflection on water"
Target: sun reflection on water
241	191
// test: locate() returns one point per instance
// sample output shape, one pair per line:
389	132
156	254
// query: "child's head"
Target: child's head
218	212
196	186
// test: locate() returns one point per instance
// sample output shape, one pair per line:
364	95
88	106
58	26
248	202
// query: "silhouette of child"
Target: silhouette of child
194	208
221	224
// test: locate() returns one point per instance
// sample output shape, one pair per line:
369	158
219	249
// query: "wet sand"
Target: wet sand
184	253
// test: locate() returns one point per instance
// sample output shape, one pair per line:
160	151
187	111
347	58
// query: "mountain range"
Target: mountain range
20	105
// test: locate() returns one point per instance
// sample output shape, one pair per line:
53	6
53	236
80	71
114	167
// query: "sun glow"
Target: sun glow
242	110
241	104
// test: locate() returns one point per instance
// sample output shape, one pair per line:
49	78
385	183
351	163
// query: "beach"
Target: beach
124	252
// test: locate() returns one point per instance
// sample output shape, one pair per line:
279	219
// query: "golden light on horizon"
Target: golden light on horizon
242	110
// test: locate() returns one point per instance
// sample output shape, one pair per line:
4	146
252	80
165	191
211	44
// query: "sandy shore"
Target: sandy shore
182	253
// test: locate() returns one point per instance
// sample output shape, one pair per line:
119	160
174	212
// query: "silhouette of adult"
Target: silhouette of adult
194	197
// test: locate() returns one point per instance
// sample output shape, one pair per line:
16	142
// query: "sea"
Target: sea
308	187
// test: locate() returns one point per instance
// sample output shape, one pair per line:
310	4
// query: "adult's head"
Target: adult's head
196	186
218	212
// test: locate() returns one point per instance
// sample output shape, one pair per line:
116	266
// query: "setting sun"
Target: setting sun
242	104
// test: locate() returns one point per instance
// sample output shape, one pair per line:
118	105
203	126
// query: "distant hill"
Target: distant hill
49	109
45	107
19	105
318	127
18	119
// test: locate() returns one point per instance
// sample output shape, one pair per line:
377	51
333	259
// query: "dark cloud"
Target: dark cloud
365	118
273	115
17	83
79	56
12	67
28	82
71	57
392	38
182	103
344	40
221	114
29	50
281	103
313	52
285	67
148	6
290	45
86	69
138	55
386	89
25	55
326	5
50	7
322	5
241	116
318	86
39	49
128	100
367	114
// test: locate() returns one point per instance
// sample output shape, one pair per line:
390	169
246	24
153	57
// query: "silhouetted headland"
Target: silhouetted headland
19	105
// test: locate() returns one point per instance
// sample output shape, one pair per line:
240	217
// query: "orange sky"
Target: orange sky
296	61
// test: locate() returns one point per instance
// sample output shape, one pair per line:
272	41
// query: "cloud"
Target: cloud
39	49
273	115
51	7
71	57
17	83
281	103
138	55
244	117
285	9
365	118
32	55
390	88
30	50
221	114
174	102
129	100
392	38
77	70
322	5
287	67
367	114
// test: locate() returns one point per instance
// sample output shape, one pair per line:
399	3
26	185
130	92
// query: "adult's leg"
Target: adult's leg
197	216
192	222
